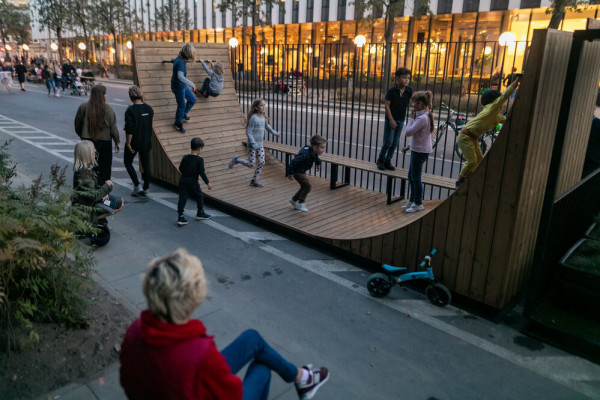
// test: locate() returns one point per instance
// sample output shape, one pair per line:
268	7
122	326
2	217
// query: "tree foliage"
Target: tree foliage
558	8
14	22
112	18
44	268
82	13
172	16
51	15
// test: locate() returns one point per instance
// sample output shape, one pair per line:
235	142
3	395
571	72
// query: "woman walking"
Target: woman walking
96	121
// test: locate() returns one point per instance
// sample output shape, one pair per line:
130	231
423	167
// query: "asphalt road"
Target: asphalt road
311	306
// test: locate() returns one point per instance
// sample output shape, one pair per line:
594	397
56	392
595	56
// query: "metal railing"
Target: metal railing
338	91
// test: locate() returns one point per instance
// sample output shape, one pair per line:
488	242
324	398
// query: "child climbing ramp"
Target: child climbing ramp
213	85
180	86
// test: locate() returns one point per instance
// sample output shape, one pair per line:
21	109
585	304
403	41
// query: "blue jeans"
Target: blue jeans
185	101
251	347
50	85
391	138
414	176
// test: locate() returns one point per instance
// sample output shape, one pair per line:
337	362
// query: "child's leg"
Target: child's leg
204	88
261	162
305	187
468	147
387	141
416	164
257	382
411	197
190	101
251	158
183	196
180	98
395	140
197	194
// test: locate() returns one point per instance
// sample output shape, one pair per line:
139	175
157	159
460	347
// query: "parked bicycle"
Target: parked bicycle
456	120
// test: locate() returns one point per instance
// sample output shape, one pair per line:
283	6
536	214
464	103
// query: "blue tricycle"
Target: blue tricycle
379	284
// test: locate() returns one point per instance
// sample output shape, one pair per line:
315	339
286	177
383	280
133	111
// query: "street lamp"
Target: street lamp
360	41
82	46
25	47
487	50
128	44
54	46
507	39
233	43
8	47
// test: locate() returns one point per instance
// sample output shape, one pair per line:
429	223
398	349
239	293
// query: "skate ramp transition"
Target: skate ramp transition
485	232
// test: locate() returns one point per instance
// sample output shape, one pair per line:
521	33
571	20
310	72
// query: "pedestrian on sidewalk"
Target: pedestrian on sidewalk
138	134
255	132
168	355
419	128
57	77
47	76
180	86
213	85
103	69
20	70
96	121
192	168
297	168
397	100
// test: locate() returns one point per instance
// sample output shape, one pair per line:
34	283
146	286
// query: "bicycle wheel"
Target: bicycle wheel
438	294
439	134
379	285
487	140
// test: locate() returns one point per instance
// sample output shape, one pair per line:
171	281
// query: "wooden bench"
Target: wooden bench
349	163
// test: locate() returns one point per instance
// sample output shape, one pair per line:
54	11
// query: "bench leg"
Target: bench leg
389	190
334	177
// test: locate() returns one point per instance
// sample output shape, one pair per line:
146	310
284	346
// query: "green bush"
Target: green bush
44	268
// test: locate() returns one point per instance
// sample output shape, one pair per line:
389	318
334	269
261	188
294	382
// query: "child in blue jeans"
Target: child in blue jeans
179	86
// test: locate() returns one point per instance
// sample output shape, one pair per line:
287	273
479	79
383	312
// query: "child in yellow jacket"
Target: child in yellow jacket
489	117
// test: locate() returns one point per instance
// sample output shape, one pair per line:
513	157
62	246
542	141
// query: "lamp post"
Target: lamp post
233	43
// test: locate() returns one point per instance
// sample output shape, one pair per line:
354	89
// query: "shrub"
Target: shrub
44	268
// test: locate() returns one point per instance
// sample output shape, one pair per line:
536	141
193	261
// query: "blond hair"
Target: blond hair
85	155
187	52
135	93
175	286
218	68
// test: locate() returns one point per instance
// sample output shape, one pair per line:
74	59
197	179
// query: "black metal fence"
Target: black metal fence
338	91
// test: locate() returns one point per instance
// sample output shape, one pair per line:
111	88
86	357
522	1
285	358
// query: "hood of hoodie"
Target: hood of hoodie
158	333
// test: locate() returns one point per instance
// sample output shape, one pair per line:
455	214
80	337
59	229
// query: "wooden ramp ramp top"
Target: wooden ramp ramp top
342	214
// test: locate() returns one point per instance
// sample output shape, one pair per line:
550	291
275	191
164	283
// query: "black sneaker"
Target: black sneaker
380	165
178	127
186	118
388	165
316	378
202	215
182	221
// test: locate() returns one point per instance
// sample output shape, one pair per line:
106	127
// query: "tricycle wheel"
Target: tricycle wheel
438	294
379	285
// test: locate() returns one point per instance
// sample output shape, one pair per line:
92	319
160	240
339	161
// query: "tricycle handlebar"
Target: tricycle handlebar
428	258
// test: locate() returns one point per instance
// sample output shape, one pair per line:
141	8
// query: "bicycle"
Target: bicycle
380	284
485	141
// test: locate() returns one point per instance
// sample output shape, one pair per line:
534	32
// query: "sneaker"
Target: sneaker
22	90
380	165
388	165
301	207
233	162
178	127
316	378
408	205
459	182
143	193
256	184
415	208
136	191
202	215
49	95
182	221
186	118
294	203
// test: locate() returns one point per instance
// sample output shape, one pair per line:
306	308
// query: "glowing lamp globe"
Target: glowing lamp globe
507	39
25	47
233	43
360	41
54	46
128	44
82	46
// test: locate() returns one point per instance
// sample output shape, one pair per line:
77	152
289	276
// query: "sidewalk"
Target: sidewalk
126	82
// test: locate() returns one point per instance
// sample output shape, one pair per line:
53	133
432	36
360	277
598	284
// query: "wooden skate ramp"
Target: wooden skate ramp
485	232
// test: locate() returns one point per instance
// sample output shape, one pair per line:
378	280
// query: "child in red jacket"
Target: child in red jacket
167	355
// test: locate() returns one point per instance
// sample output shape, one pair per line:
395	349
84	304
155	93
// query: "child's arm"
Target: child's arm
405	149
414	126
202	173
388	114
497	104
249	129
208	70
271	129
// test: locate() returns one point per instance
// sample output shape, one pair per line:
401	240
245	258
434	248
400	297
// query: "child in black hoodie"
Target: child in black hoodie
297	168
191	168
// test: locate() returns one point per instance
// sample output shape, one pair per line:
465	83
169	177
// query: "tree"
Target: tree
369	11
255	10
51	15
81	13
111	17
172	17
558	9
14	21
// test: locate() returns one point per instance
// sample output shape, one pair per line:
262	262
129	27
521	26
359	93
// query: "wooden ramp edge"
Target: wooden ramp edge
485	232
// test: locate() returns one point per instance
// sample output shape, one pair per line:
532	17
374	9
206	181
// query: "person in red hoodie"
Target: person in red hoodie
166	355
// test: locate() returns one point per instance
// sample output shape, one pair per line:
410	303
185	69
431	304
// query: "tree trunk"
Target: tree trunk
558	14
253	43
114	33
61	55
387	63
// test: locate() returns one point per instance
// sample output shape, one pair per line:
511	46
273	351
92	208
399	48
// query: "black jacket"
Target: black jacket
138	124
192	167
303	161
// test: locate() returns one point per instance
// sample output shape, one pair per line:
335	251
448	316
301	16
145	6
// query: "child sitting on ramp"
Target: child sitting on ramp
489	117
213	85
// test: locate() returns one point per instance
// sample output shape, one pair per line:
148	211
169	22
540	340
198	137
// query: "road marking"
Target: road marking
580	370
82	98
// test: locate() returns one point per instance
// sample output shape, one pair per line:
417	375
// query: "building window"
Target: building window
530	3
325	10
295	8
499	5
310	5
470	6
341	10
444	7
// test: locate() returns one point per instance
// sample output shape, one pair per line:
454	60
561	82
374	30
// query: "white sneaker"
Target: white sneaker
294	203
233	162
136	191
415	208
408	205
301	207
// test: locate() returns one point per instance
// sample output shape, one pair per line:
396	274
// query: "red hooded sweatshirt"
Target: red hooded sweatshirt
168	361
